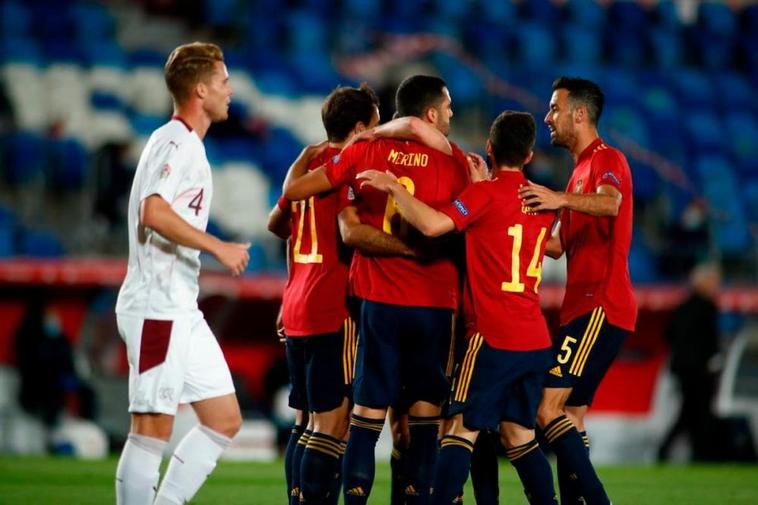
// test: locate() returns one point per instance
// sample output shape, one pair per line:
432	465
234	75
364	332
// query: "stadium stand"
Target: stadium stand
81	87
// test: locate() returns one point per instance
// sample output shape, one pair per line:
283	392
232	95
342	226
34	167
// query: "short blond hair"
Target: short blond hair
189	64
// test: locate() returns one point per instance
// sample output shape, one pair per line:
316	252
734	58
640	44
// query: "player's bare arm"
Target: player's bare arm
367	239
300	166
279	222
605	202
407	128
158	215
425	219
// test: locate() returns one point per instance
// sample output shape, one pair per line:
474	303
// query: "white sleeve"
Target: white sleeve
166	168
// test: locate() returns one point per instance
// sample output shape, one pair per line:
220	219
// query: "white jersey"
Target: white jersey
162	276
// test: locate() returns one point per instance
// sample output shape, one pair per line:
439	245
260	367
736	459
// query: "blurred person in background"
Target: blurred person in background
599	309
693	335
173	355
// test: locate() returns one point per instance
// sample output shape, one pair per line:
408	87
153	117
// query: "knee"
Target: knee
546	414
229	426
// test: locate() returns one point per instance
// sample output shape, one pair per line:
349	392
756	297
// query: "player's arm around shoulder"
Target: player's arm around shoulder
367	239
427	220
299	183
157	214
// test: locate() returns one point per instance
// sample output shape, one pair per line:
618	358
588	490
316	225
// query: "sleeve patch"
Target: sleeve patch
611	177
460	208
350	193
336	159
165	171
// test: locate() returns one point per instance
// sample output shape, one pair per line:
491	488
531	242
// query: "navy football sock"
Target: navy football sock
567	481
484	469
568	446
398	480
359	465
297	430
297	458
319	468
336	486
451	472
534	471
421	457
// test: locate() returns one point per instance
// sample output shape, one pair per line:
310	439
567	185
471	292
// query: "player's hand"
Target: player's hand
233	256
540	198
383	181
477	167
364	136
313	150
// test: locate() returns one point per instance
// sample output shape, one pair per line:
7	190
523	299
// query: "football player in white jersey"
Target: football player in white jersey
173	355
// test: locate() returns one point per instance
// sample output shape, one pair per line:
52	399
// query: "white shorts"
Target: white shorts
172	362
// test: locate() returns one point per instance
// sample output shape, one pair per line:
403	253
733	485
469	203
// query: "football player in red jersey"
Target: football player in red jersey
599	309
406	314
500	381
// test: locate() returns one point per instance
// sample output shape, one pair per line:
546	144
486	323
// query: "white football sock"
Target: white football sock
138	470
192	462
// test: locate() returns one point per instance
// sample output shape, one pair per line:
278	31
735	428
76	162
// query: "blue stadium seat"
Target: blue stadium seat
306	32
716	18
665	15
545	12
502	14
642	267
588	14
750	197
620	86
40	244
581	45
106	54
51	22
535	45
92	22
736	93
15	20
742	135
144	124
8	230
362	8
705	132
222	13
666	47
279	149
719	186
67	164
693	88
21	50
24	159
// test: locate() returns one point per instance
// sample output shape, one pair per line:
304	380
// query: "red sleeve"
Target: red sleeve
341	167
345	198
607	169
460	157
283	203
468	207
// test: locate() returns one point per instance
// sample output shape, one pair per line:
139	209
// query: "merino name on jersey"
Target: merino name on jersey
408	159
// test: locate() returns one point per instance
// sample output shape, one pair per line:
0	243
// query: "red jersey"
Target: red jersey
316	290
434	178
597	248
505	244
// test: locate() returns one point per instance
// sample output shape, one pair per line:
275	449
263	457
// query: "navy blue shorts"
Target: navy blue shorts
403	353
495	385
321	368
583	353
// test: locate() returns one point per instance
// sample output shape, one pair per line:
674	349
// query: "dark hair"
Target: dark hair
345	107
189	64
417	93
512	136
583	92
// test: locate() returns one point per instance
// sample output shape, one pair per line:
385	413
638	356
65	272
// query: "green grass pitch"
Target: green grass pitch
53	481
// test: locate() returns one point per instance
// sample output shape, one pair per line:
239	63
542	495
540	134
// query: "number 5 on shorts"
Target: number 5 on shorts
565	354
